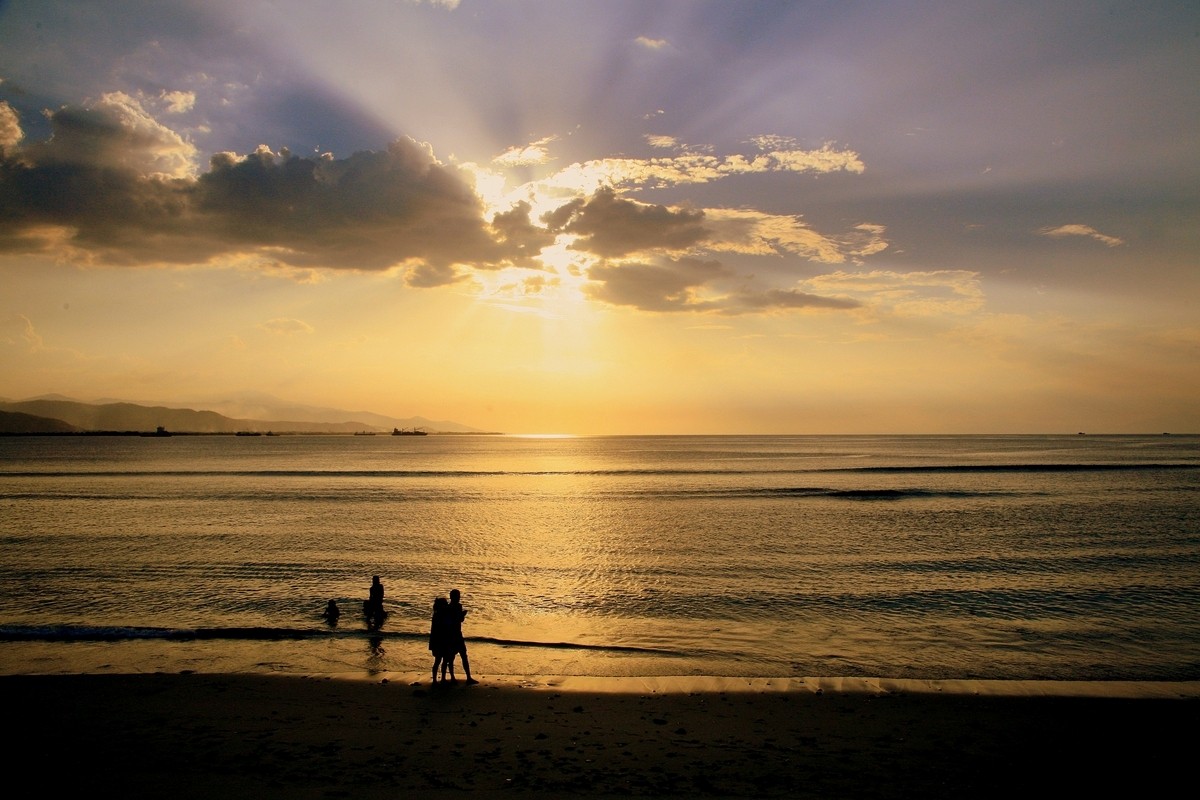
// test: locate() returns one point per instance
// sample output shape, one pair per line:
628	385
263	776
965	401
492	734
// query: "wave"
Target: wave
983	468
821	492
90	633
631	472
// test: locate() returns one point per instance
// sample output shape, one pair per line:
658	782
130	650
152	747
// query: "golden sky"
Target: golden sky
609	217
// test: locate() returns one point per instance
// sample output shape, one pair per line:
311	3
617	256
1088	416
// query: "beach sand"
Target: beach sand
246	736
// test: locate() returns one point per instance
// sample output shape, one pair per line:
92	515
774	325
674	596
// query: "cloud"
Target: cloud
759	233
369	211
427	276
522	155
785	299
19	330
1081	230
693	168
610	226
282	326
910	294
115	133
113	186
670	285
523	240
696	285
665	142
179	102
10	127
652	44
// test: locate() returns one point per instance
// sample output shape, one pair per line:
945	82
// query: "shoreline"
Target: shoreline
700	684
394	735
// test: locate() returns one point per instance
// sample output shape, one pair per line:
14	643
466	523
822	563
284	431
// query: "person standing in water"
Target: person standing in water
457	615
374	605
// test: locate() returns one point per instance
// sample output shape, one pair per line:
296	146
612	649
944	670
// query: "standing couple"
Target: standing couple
446	639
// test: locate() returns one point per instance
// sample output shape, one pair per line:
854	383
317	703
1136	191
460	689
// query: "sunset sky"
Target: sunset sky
610	217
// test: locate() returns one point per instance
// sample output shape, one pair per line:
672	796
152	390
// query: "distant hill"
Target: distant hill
121	416
258	405
17	422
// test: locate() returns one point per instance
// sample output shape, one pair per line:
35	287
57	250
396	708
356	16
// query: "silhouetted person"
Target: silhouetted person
373	608
332	612
457	615
441	639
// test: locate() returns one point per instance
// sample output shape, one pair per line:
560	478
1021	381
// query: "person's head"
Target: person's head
454	595
374	579
440	602
333	603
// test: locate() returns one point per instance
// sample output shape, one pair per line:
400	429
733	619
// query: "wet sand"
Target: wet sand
247	736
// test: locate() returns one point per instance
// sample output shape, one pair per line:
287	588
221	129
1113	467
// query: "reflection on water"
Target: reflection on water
725	555
376	655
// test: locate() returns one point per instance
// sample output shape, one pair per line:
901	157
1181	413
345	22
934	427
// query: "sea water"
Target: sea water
996	557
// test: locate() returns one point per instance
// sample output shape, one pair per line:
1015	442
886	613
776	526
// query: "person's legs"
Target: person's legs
462	652
437	662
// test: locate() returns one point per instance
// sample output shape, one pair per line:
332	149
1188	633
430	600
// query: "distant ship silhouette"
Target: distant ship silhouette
408	432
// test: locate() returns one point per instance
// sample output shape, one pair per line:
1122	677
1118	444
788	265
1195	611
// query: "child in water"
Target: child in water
332	612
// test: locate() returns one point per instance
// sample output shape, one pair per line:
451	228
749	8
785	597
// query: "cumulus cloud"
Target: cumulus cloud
10	127
536	284
179	102
1081	230
115	133
523	239
610	226
424	275
114	186
522	155
669	285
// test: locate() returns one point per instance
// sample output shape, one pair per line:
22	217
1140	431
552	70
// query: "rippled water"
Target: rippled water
929	557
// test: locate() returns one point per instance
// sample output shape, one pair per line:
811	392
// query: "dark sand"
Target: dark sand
243	736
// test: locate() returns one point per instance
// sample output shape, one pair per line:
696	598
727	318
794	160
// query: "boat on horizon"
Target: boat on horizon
408	432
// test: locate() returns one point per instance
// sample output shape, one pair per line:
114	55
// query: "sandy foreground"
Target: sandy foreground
247	736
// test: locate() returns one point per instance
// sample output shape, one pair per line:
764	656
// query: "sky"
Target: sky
610	217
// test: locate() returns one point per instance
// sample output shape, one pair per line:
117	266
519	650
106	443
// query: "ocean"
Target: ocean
930	557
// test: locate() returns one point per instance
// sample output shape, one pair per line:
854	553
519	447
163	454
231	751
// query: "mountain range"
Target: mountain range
247	412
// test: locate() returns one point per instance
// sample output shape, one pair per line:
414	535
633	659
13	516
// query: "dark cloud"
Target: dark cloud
611	226
427	276
690	284
113	186
369	211
784	299
523	240
671	285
